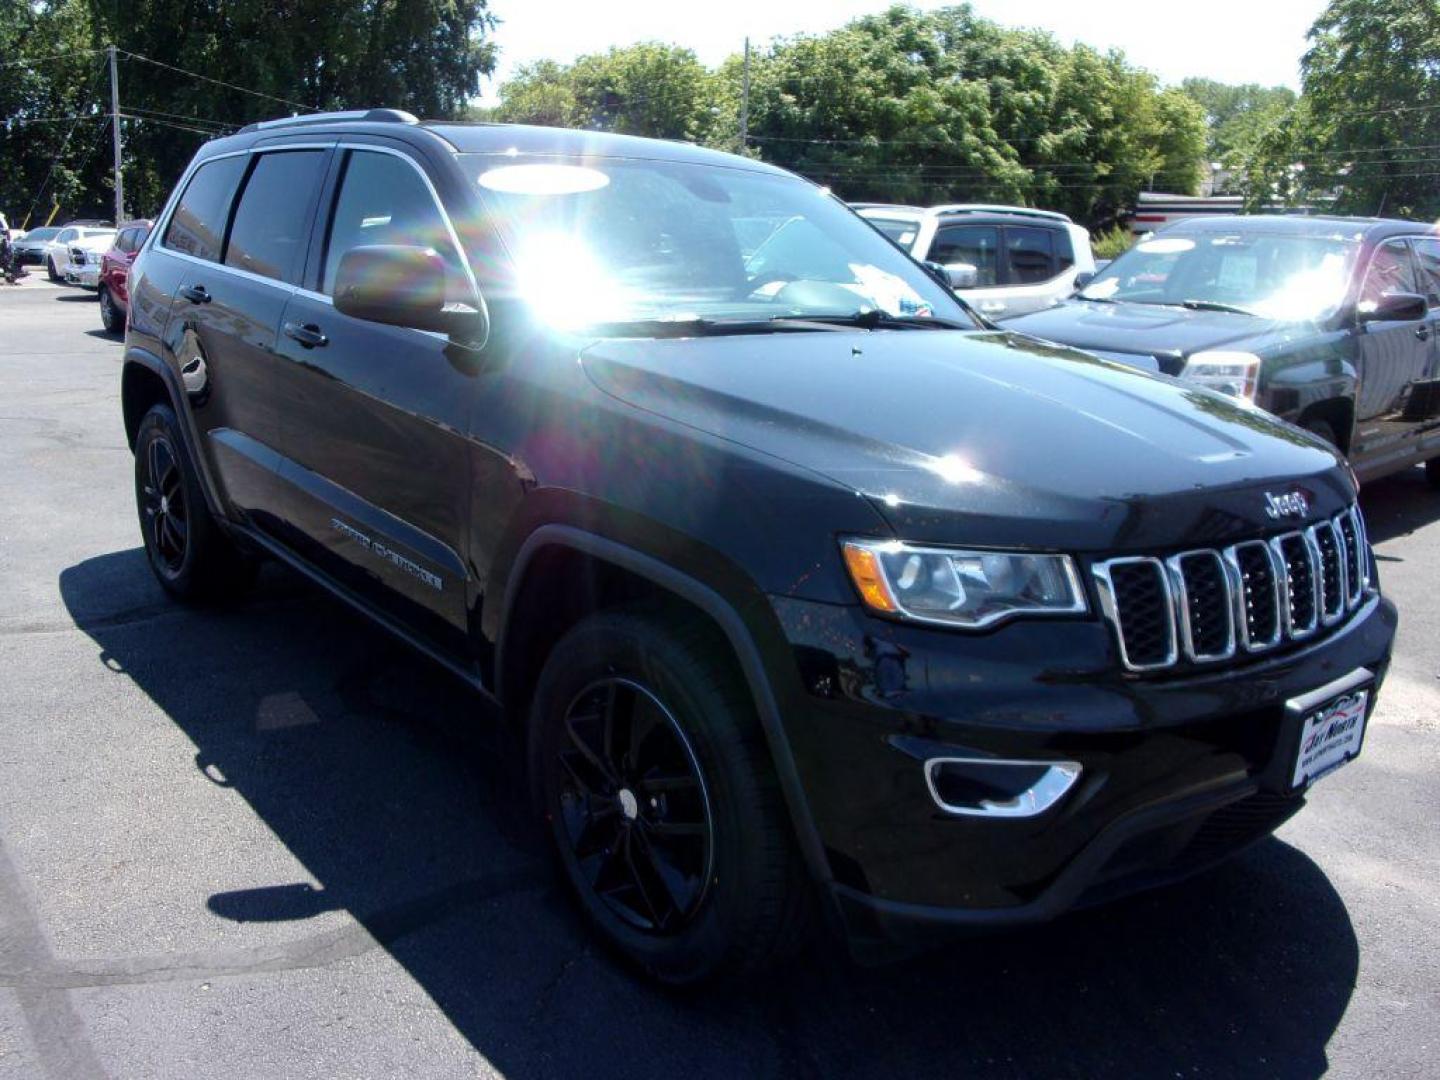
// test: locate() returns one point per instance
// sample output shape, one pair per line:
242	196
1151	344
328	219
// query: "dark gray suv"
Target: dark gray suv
1328	322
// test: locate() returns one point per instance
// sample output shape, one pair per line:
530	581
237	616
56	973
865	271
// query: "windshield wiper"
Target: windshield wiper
1214	305
1096	299
699	327
875	319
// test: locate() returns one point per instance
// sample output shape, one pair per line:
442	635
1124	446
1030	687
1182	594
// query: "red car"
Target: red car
115	270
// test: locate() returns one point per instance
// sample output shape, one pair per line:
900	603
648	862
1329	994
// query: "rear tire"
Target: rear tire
661	801
111	316
1432	472
188	553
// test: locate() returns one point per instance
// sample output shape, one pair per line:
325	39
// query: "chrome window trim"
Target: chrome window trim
1175	564
1277	544
1058	779
1231	555
1105	587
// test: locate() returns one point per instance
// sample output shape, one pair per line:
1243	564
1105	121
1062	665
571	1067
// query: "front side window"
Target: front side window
1029	255
198	225
383	200
272	221
1427	258
973	245
609	241
1391	271
1291	276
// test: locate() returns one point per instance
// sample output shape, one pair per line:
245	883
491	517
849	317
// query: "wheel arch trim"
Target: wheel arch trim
153	365
731	625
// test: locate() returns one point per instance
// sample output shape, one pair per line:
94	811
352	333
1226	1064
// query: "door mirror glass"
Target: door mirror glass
963	275
1393	307
401	285
1083	278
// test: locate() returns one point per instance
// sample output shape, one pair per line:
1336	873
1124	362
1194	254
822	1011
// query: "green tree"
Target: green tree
427	56
1371	82
1237	115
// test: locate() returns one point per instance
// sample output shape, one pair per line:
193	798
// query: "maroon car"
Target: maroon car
114	272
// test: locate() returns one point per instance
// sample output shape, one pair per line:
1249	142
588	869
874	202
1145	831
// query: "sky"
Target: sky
1230	40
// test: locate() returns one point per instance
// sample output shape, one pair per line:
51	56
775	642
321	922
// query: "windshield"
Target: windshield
42	234
1274	275
608	241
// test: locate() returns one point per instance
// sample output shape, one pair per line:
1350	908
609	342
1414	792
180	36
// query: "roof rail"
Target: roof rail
372	116
992	208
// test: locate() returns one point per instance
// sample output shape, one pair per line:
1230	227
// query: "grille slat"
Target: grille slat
1254	595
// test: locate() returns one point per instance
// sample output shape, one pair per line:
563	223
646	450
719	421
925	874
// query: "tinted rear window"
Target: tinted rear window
272	220
198	225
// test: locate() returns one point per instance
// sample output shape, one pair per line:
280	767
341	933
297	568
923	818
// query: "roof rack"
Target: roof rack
371	116
992	208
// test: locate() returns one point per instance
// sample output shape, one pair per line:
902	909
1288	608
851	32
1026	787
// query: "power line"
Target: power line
218	82
52	56
219	124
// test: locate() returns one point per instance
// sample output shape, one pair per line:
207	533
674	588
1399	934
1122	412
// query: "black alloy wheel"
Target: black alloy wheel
189	553
634	806
163	506
50	270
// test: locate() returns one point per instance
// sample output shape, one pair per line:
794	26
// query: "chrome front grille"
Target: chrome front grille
1207	605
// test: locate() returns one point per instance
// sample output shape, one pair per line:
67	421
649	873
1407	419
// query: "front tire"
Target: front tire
661	801
1432	472
111	316
188	553
50	270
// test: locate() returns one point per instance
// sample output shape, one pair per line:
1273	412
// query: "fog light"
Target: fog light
985	787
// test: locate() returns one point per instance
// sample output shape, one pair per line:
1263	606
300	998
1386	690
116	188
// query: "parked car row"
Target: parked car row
814	599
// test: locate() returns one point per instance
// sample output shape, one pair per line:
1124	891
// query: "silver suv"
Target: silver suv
1003	260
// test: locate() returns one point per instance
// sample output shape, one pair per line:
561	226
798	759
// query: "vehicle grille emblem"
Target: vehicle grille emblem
1289	504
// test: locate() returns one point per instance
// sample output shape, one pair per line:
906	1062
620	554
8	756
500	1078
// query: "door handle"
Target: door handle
309	335
196	294
1423	333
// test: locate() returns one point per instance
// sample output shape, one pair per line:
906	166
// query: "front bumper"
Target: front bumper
85	276
1178	771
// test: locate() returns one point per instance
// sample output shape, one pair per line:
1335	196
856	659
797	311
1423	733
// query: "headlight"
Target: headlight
961	588
1233	373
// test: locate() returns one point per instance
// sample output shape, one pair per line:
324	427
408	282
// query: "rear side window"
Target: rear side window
198	225
976	245
901	231
1029	255
271	222
383	200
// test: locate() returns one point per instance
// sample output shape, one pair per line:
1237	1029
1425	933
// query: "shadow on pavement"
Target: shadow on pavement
1399	504
385	778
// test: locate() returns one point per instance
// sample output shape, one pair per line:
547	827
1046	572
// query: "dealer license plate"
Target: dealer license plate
1330	735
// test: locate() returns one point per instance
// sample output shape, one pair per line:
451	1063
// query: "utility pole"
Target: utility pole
115	129
745	102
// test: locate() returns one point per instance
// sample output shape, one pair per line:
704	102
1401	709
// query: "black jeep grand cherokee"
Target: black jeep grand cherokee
811	595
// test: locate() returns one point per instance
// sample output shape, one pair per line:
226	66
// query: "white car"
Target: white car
82	265
57	251
1002	260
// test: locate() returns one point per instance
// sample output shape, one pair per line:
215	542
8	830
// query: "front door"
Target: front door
1393	357
376	463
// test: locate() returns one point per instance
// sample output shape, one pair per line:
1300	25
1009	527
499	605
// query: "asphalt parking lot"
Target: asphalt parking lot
271	842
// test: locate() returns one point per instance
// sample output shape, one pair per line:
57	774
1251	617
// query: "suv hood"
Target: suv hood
1150	332
984	438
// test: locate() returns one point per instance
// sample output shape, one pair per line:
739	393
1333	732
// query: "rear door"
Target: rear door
376	462
1393	359
1423	407
240	233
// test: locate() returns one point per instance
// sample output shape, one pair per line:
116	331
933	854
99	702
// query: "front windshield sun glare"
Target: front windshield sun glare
1290	277
603	242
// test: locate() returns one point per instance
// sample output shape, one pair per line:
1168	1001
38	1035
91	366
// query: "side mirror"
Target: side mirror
401	286
1084	278
963	275
939	273
1394	307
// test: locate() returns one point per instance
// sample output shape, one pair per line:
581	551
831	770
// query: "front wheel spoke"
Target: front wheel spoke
170	535
669	876
674	829
583	748
596	835
668	783
582	773
649	885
